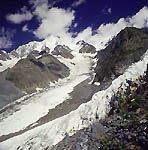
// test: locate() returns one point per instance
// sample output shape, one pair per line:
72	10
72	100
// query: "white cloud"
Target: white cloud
55	21
78	2
5	37
17	18
25	28
41	11
109	10
52	20
140	20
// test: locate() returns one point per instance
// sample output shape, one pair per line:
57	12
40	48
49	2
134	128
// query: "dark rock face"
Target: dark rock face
4	56
126	48
63	51
86	48
1	64
31	73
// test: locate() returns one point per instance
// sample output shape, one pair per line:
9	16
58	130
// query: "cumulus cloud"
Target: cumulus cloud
54	21
17	18
6	37
78	2
41	11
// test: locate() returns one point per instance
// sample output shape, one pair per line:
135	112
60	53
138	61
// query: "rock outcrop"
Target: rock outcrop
86	48
31	73
126	48
63	51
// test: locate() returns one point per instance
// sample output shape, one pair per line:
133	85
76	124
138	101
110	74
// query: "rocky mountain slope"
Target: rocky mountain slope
32	67
126	48
31	73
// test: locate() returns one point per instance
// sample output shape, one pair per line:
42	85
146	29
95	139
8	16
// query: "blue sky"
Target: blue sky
22	21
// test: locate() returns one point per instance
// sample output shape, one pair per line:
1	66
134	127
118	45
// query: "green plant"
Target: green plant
106	141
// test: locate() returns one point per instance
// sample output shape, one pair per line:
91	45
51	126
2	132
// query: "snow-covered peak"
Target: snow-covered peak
24	50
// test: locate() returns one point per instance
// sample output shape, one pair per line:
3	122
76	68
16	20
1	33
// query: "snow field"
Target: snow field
38	105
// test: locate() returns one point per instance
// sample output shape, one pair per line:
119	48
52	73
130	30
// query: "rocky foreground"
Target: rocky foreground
125	128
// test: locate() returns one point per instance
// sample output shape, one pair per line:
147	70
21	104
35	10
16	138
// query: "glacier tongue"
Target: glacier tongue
52	132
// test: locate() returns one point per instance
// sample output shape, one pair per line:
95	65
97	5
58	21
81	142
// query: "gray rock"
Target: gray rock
98	129
63	51
87	48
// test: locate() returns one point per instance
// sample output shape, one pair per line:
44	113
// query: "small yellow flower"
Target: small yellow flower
133	100
70	130
133	88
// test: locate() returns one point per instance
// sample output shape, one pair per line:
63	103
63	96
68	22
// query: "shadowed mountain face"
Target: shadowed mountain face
126	48
63	51
31	73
